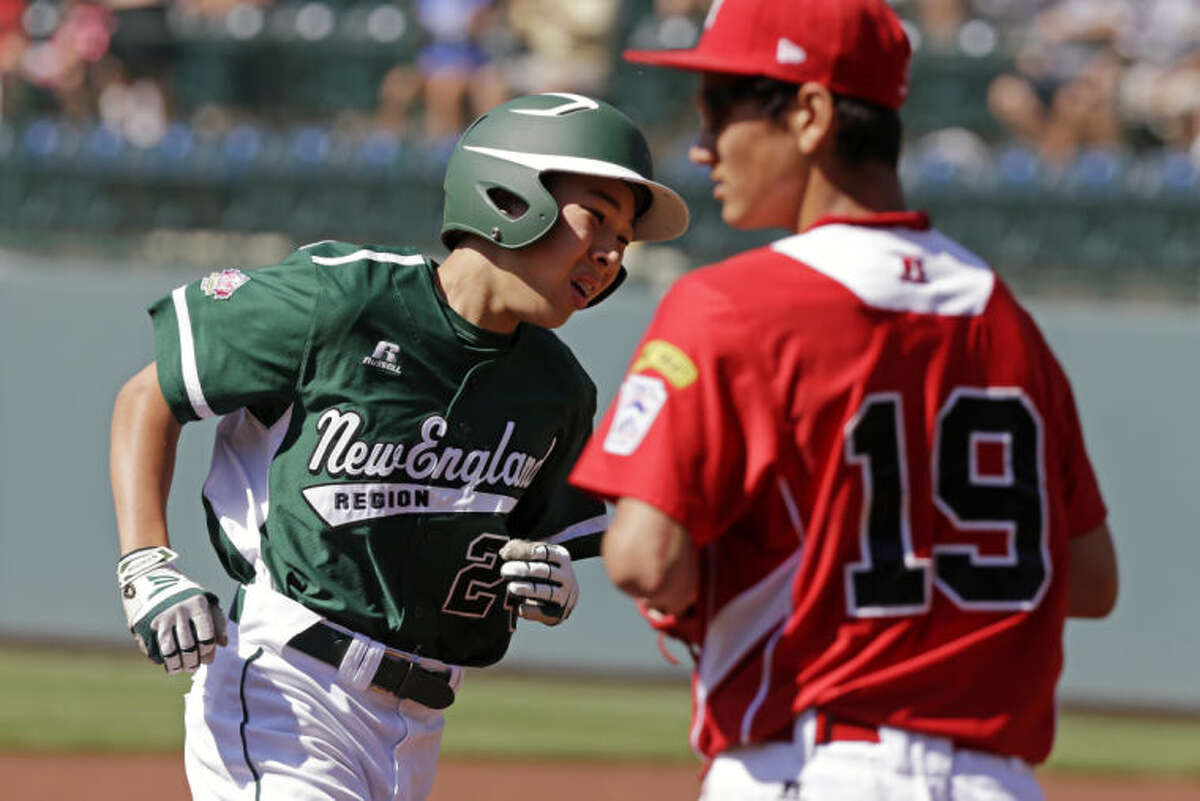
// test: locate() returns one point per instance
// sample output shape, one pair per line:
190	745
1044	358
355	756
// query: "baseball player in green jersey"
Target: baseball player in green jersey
388	481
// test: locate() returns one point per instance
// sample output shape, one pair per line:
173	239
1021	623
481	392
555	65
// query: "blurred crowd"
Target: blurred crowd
433	64
1102	74
1069	75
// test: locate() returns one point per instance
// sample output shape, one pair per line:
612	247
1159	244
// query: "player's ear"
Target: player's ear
811	117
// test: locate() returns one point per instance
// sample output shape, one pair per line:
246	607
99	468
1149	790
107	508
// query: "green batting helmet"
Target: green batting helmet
505	152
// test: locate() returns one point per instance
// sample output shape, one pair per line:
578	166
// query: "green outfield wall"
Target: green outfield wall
70	334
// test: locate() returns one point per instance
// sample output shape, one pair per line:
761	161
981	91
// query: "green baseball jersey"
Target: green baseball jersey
376	449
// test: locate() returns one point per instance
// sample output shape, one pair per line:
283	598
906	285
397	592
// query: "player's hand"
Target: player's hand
175	621
541	576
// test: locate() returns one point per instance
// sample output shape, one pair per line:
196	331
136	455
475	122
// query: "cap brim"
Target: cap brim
693	60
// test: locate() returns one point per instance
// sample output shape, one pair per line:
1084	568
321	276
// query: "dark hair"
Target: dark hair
866	131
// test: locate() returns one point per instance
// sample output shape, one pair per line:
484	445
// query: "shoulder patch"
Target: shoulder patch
641	399
221	285
668	360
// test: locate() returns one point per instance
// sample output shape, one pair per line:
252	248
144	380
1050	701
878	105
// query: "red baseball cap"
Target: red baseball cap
853	47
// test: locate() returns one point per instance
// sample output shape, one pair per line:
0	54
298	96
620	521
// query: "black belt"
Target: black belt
396	674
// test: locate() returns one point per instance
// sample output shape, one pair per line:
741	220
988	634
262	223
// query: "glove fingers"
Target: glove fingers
185	628
187	633
544	612
519	549
203	622
210	632
514	569
168	645
541	571
536	591
190	654
534	551
207	652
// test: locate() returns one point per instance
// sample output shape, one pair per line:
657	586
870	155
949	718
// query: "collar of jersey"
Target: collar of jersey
467	332
917	220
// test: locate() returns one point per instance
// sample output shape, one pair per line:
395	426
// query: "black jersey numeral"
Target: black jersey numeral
890	578
478	585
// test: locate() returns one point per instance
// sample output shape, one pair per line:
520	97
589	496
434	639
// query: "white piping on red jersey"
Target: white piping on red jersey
789	502
764	683
740	625
871	263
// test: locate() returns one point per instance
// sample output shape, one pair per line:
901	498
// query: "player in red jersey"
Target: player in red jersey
848	469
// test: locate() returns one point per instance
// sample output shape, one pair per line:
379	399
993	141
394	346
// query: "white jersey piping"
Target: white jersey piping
187	356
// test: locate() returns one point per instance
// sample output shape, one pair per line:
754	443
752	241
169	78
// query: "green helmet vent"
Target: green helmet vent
508	203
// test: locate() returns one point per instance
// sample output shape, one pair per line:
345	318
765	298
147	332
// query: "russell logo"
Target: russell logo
385	357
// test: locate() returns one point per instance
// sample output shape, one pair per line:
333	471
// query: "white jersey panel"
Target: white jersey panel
237	487
898	269
745	620
736	628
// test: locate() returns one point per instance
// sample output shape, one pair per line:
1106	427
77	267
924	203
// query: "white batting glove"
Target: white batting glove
176	622
542	577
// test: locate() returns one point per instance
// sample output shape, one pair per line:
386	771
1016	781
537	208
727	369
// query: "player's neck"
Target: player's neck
863	191
466	280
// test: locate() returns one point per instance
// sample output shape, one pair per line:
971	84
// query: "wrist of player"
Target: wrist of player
542	577
684	625
175	622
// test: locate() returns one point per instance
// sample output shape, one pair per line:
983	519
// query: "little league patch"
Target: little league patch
641	399
221	285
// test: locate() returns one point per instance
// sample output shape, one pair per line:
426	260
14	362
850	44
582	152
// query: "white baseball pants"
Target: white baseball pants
902	766
264	723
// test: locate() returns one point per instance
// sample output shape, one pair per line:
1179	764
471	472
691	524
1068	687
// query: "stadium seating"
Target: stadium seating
280	74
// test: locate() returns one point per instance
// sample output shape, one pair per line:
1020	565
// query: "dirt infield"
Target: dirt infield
157	777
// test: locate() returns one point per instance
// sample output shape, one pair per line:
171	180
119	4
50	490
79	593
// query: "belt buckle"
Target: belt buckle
398	667
414	664
416	682
400	655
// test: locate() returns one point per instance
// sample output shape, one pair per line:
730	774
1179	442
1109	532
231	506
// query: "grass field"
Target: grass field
57	700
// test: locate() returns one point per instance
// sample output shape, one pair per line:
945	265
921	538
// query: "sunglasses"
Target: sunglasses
719	101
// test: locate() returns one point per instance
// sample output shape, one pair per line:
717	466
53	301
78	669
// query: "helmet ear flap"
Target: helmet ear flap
622	274
504	202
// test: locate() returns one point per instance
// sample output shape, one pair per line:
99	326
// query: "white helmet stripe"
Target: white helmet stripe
576	103
549	161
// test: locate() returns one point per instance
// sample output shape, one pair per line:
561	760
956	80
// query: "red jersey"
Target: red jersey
880	461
